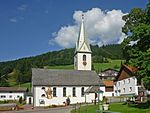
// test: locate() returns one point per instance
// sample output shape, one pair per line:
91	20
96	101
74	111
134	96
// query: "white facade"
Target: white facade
126	87
40	100
80	64
11	96
109	94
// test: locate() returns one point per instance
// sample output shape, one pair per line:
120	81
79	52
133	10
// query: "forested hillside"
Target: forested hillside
19	71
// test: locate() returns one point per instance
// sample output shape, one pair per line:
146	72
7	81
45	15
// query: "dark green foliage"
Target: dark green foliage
21	68
20	100
137	28
101	54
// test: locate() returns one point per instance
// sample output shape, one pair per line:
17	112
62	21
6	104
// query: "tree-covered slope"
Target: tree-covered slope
19	71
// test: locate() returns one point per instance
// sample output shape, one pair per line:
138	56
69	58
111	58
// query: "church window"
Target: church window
74	92
64	92
43	88
43	95
124	90
82	91
130	89
54	92
3	96
84	57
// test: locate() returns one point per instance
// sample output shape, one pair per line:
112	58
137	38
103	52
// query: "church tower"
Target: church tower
82	57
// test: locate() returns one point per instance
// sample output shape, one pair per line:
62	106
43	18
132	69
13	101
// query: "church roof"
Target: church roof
93	89
57	77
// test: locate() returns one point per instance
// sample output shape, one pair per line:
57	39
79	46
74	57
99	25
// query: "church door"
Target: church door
30	100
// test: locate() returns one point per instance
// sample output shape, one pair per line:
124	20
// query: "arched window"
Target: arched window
84	57
82	91
74	92
43	88
43	95
54	92
123	90
64	92
130	89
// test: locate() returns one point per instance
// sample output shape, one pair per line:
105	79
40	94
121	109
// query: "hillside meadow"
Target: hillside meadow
114	64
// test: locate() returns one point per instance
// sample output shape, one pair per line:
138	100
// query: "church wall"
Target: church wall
59	99
80	65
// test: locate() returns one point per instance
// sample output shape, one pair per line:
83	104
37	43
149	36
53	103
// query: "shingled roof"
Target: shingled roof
109	72
57	77
12	89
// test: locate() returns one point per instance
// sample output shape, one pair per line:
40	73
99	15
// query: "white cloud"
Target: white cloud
102	27
14	20
22	7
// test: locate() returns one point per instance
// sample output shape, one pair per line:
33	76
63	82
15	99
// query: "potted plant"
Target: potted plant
105	103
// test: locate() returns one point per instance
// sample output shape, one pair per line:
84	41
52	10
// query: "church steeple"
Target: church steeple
82	39
82	57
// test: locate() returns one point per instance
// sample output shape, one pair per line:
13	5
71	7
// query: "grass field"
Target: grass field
116	107
60	67
114	64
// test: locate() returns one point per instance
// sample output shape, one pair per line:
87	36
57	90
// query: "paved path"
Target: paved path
48	110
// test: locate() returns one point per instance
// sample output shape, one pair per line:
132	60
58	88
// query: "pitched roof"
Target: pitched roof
108	83
131	68
57	77
12	89
93	89
126	72
109	72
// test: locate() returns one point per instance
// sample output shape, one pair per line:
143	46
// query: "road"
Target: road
50	110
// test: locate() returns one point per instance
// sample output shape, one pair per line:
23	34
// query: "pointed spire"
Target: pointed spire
82	37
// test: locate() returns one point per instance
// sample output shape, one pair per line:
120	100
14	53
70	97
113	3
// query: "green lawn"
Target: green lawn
60	67
116	107
25	85
114	64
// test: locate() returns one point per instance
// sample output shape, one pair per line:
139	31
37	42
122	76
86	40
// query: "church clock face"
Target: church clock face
84	63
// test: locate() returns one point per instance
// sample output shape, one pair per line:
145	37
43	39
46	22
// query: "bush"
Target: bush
20	100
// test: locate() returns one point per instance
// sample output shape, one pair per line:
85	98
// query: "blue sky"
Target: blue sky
33	27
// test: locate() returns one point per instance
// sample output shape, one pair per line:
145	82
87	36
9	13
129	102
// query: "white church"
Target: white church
81	85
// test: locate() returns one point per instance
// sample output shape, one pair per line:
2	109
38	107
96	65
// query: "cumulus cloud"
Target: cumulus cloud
101	27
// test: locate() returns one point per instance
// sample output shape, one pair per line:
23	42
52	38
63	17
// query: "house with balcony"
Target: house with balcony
126	83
